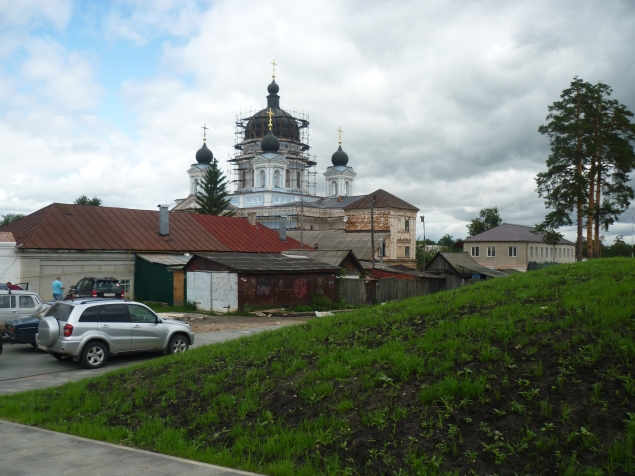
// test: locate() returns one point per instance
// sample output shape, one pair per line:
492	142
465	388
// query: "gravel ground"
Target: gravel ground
205	323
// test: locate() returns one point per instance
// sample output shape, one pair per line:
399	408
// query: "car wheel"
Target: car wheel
94	355
57	355
178	344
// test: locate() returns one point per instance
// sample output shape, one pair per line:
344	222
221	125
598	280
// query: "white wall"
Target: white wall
39	268
9	263
213	290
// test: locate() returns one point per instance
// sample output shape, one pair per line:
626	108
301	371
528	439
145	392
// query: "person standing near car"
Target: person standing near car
58	289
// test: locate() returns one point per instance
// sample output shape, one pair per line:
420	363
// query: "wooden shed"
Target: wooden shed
257	280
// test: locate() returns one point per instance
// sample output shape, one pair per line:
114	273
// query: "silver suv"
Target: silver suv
89	330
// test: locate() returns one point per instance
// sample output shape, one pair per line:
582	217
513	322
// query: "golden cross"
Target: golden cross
204	132
340	135
270	114
273	75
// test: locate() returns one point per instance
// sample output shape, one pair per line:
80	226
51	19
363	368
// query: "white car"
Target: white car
14	304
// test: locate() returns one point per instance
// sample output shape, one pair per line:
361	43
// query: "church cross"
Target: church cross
273	75
270	114
339	130
204	132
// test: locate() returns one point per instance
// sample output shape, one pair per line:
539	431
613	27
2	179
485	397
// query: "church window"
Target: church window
348	188
299	179
287	178
407	252
276	178
243	179
407	225
262	178
333	188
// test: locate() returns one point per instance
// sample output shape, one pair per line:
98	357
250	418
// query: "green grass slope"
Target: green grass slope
530	374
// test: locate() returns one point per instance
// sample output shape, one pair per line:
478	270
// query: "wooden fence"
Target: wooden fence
358	291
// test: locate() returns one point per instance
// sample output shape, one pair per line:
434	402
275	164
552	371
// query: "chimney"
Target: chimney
251	218
283	229
164	220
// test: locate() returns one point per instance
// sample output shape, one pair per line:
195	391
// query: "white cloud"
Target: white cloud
440	102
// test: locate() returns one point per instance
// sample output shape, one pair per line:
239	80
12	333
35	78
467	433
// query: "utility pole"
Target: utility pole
423	221
372	233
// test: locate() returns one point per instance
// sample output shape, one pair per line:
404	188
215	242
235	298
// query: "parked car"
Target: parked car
14	304
99	287
23	329
90	331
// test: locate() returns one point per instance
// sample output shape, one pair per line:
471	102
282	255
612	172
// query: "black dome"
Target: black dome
270	143
273	88
339	157
285	126
204	155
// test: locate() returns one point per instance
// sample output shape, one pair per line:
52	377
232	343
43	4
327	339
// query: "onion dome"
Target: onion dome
339	157
273	88
270	143
284	125
204	155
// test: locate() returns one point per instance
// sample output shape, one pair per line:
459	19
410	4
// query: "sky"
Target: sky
439	101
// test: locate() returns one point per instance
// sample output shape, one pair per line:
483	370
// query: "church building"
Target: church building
273	176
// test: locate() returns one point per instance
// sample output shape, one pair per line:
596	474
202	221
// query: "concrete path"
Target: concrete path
29	451
22	368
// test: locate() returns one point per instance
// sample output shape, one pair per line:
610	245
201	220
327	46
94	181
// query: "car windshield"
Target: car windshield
59	311
108	286
41	312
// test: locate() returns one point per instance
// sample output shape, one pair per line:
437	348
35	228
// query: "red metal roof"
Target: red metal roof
237	234
83	227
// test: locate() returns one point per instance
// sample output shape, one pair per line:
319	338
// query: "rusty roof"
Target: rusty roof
383	199
268	263
238	235
509	232
6	237
83	227
358	242
333	257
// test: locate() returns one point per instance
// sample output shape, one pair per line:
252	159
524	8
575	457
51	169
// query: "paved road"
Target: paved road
30	451
22	368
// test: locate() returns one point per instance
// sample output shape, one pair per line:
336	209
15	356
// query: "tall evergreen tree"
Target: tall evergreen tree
590	161
212	192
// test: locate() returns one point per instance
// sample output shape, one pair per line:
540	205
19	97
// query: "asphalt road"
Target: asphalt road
22	368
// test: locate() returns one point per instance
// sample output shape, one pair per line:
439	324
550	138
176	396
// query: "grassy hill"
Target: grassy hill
531	374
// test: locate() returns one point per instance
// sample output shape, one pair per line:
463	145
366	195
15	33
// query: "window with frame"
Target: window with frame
513	252
407	225
407	252
491	251
476	250
125	284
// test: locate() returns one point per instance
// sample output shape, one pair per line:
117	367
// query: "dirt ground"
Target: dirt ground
203	323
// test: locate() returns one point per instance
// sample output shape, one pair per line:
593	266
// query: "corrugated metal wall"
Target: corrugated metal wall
153	282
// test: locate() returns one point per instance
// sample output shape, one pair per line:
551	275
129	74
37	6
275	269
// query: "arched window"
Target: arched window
243	179
287	178
262	178
348	188
299	179
333	188
276	178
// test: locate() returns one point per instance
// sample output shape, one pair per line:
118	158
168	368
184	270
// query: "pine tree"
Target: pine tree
211	193
591	157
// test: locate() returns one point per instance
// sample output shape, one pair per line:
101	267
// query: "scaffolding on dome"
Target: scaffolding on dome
299	155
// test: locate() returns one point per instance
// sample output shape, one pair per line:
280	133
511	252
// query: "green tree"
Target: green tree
488	218
9	218
447	241
84	200
588	167
212	192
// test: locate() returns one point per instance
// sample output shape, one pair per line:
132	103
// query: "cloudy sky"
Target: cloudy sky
439	101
